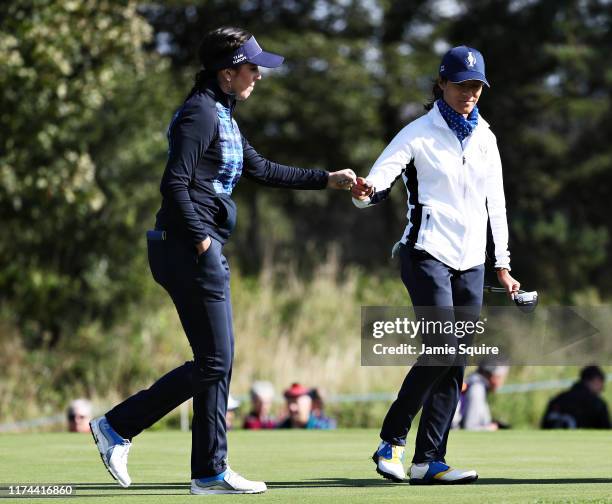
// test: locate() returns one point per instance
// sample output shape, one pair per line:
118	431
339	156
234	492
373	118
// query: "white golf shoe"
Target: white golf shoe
113	449
438	473
228	482
389	460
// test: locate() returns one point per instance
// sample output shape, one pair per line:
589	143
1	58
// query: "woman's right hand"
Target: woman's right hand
203	245
511	285
341	179
362	189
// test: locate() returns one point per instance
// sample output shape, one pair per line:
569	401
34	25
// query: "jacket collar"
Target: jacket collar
212	89
439	121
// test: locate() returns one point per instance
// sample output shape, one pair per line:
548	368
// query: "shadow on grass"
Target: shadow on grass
332	482
546	481
103	490
182	488
82	490
346	482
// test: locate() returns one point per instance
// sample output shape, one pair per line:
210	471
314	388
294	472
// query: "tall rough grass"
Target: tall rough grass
287	328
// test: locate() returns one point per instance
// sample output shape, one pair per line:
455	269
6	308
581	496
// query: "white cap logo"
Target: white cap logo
470	60
238	58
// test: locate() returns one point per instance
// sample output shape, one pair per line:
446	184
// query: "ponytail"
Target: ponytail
200	78
436	93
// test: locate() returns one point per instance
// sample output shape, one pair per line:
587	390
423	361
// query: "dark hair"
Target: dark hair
314	394
590	372
436	93
217	44
489	366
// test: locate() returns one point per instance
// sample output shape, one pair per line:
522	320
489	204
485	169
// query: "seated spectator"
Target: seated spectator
262	395
473	412
232	405
324	422
580	407
78	415
299	405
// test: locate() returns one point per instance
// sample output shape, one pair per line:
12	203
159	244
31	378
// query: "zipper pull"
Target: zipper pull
464	160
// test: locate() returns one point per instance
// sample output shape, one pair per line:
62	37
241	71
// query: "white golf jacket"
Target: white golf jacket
451	190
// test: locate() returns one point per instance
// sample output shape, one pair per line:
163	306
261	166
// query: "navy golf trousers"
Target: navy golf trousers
434	386
199	288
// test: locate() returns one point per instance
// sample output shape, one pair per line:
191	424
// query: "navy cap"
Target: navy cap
462	64
249	52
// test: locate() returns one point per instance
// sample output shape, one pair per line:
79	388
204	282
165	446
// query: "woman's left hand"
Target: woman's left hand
342	179
507	282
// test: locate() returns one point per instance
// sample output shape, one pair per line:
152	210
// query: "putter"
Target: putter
526	301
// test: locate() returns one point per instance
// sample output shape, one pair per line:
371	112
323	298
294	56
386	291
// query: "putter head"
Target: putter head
526	301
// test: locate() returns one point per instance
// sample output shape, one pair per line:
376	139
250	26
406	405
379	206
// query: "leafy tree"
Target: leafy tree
83	111
86	98
550	107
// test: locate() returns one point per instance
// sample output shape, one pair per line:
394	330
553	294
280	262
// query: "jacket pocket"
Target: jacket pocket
226	214
427	215
440	228
427	225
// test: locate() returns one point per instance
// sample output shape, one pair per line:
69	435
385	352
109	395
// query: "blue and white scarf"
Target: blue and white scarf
459	125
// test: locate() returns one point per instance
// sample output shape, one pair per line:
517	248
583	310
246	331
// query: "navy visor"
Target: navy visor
249	52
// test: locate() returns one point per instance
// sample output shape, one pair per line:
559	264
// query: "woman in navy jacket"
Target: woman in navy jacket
450	164
207	156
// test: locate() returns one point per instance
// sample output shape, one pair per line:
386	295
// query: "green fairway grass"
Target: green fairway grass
319	466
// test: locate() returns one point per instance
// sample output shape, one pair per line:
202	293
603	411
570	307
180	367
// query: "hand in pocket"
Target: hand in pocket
203	246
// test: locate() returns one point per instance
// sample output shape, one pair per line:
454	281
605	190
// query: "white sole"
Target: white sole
461	481
213	492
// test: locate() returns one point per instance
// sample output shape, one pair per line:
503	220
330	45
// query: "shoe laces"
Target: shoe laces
125	449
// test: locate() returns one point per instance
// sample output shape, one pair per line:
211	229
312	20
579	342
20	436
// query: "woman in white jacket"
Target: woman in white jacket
450	164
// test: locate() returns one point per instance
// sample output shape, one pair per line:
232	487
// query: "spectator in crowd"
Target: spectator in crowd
473	412
299	406
262	395
317	396
580	407
232	405
78	415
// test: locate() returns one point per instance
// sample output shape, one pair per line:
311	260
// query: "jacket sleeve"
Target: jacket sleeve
190	133
387	169
266	172
496	206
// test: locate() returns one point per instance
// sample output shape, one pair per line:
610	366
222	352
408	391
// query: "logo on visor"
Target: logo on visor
238	58
470	60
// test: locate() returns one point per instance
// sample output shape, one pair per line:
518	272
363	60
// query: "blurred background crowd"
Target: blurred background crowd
580	407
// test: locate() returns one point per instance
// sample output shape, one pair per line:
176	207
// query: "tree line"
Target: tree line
88	89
